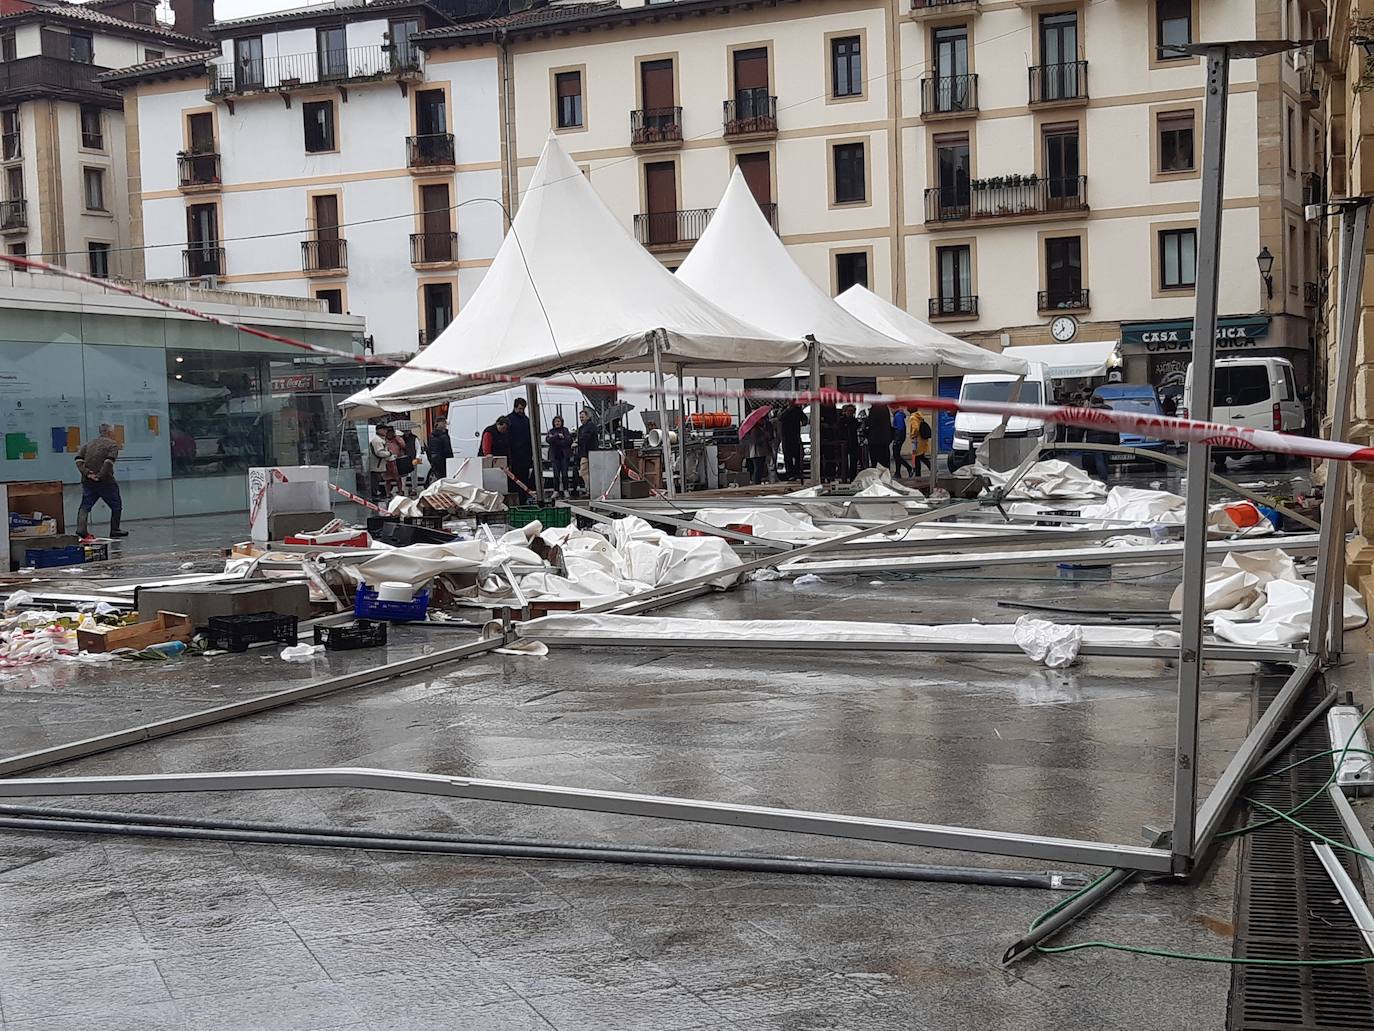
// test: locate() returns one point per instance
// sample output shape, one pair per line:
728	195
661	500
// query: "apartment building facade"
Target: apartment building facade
1016	171
321	153
63	171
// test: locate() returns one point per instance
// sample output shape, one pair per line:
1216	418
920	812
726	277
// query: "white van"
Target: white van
1257	392
972	428
468	418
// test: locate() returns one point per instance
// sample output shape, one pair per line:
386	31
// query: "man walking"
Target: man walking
521	449
96	462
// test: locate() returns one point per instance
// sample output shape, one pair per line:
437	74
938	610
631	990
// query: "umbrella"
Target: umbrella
753	419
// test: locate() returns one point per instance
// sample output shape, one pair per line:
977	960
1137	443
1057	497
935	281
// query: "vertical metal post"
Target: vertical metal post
681	427
661	397
815	388
1199	456
1327	631
532	396
934	455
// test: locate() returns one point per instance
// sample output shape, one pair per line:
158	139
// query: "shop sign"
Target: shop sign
298	382
1232	334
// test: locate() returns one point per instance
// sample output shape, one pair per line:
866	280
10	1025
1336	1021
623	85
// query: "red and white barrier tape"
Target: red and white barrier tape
1186	431
355	499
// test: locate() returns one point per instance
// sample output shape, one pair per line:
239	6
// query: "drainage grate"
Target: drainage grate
1287	907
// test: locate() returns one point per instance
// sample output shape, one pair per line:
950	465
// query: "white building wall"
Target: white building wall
268	179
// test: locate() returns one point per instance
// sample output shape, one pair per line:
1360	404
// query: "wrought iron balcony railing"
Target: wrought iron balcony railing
753	112
949	94
334	67
675	228
431	248
202	260
965	305
1055	83
655	126
429	150
1061	299
14	215
197	169
1006	197
324	255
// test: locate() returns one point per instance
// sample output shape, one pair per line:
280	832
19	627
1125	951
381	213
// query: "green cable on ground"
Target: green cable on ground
1279	816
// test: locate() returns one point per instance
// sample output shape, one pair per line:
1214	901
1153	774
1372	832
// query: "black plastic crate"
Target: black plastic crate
361	633
403	535
433	520
236	633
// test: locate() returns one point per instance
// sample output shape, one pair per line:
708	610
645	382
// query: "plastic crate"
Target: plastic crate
96	552
433	520
366	605
520	515
361	633
47	558
236	633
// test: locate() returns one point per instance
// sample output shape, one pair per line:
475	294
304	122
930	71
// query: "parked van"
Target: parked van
1256	392
972	428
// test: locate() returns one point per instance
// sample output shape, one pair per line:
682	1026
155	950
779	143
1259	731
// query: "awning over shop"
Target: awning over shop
1177	334
1085	360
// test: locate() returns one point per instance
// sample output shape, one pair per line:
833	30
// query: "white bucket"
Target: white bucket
394	590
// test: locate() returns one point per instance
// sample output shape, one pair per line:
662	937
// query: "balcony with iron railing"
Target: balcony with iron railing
202	260
33	77
1309	85
753	114
324	256
656	128
1062	298
197	173
433	248
665	230
948	95
921	9
964	306
1065	83
429	152
341	67
1006	197
14	216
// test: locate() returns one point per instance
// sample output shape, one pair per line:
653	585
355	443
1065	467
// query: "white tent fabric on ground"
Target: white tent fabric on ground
571	289
1085	360
953	354
741	265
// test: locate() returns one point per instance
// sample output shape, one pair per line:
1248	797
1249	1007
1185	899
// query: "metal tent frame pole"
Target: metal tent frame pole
1217	65
815	388
1328	608
681	427
934	455
532	396
661	398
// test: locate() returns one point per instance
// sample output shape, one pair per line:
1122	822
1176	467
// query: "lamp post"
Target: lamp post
1265	261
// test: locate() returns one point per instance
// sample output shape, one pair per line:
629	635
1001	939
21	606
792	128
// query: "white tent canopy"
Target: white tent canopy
740	264
1085	360
949	352
571	289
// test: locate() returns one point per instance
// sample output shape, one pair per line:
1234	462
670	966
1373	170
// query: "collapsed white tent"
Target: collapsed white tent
571	289
949	352
740	264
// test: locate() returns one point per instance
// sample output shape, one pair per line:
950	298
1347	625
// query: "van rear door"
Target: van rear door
1242	394
1286	391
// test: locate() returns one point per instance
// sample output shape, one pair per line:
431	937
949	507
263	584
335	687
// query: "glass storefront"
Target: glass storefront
193	404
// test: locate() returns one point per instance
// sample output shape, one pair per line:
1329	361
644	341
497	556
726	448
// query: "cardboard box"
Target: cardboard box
27	527
495	479
201	601
19	546
634	489
495	462
281	525
43	496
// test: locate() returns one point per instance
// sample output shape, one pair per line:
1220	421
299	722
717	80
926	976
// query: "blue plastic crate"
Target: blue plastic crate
366	605
46	558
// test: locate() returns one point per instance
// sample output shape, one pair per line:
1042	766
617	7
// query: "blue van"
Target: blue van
1134	397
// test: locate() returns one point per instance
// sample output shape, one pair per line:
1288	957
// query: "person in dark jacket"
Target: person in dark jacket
791	421
405	465
439	448
879	436
588	440
1095	462
521	448
496	439
559	439
96	463
849	441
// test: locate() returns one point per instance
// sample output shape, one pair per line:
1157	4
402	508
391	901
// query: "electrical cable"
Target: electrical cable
1279	816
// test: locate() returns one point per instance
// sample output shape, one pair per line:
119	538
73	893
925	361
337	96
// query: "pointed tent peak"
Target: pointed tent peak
949	351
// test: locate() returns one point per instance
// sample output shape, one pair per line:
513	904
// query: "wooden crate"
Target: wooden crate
168	626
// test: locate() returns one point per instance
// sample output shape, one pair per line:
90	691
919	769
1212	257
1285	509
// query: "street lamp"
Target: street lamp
1265	261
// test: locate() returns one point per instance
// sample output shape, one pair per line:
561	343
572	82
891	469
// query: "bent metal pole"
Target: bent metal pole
1217	61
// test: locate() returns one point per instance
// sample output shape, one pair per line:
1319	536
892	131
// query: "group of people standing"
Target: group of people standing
892	439
392	459
511	437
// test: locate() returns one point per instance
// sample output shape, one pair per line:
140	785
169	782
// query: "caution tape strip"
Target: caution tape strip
1163	427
